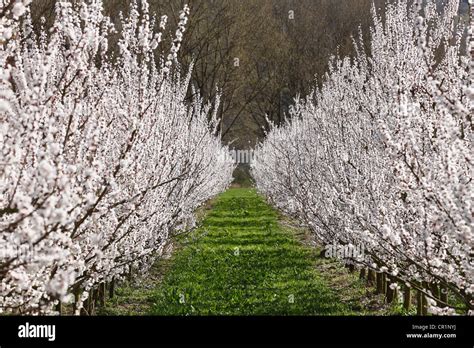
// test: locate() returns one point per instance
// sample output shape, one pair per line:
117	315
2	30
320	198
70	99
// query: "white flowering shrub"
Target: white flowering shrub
381	156
101	158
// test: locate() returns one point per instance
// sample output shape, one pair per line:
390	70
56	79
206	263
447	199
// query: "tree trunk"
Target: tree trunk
371	277
59	307
102	294
425	305
112	288
85	307
76	300
390	294
407	298
92	301
436	293
362	273
379	283
419	303
425	301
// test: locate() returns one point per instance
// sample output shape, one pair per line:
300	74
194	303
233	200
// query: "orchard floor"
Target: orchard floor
246	259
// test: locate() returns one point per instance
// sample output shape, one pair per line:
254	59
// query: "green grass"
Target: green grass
243	261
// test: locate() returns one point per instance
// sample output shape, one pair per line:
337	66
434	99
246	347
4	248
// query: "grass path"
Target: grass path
240	262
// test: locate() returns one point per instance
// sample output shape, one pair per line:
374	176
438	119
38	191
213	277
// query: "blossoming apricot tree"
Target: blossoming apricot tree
381	155
101	158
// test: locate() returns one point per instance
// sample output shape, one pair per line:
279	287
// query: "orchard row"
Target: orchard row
381	157
101	158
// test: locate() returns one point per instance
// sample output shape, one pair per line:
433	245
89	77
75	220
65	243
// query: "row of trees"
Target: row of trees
102	155
380	157
259	53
